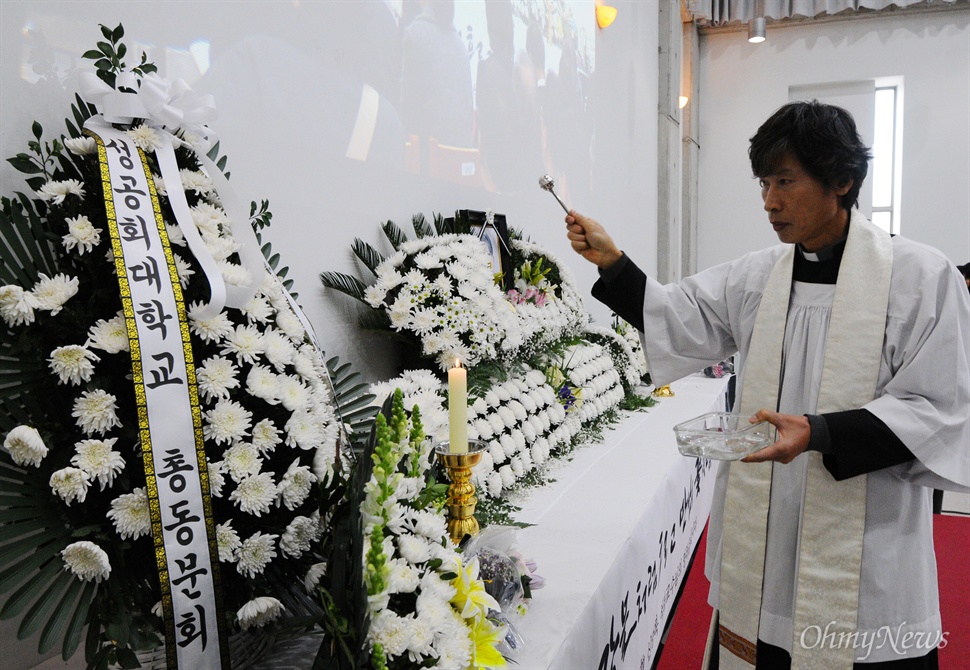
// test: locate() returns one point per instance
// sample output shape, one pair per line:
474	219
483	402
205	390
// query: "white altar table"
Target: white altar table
613	536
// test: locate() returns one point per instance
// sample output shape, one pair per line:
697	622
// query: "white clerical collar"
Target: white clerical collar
824	254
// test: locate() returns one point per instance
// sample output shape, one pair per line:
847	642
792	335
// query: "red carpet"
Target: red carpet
684	649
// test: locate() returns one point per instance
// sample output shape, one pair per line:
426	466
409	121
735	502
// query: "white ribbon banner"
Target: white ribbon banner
168	407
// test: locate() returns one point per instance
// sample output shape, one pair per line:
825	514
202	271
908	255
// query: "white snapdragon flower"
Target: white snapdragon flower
56	192
51	293
99	460
87	561
131	515
25	446
259	611
70	484
72	363
95	412
16	305
110	336
81	235
255	553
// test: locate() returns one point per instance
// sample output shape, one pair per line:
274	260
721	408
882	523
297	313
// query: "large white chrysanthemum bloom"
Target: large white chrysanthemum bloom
295	485
242	460
25	446
81	146
73	364
313	576
110	336
51	293
228	421
81	235
131	515
212	329
266	436
255	494
300	533
95	412
216	377
259	612
99	460
87	561
255	554
228	542
70	484
55	192
145	138
16	305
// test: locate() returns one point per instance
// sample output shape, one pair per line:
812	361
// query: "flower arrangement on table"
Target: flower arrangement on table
550	380
76	512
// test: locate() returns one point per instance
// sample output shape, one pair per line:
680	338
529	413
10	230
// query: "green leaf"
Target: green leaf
41	609
30	590
122	50
421	226
344	283
54	628
93	54
117	33
106	31
23	163
214	151
367	254
394	234
37	129
79	620
106	49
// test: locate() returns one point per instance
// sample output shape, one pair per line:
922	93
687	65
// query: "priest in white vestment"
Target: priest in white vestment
854	344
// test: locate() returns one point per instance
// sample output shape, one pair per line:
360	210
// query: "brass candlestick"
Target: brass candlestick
663	392
461	492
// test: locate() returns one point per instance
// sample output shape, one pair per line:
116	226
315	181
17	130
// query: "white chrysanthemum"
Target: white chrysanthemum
298	536
99	460
429	524
228	542
313	576
263	383
228	421
81	146
259	612
51	293
266	436
81	234
212	329
95	412
220	247
110	336
255	553
70	484
234	274
160	187
242	460
278	349
391	632
145	138
16	305
292	393
131	515
56	191
216	377
72	364
291	325
257	309
413	549
87	561
175	235
193	180
184	270
255	494
303	430
217	478
25	446
296	485
209	219
244	342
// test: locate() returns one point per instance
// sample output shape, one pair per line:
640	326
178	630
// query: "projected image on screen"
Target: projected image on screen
488	94
494	93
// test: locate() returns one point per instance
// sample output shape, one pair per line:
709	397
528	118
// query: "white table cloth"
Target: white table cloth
613	536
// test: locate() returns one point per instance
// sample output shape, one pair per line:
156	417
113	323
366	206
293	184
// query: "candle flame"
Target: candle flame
458	363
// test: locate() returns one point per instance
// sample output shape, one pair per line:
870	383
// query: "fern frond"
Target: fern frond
344	283
394	234
367	254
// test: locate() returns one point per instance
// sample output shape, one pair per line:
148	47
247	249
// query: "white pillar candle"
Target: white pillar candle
458	409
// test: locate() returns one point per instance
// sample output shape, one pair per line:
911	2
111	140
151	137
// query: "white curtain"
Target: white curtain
723	12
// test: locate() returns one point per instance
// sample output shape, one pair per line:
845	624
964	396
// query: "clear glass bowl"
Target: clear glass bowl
722	436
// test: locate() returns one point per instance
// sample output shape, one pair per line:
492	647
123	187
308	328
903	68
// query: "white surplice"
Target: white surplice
923	396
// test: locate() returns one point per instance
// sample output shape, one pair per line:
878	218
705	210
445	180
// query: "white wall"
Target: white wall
287	77
742	84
